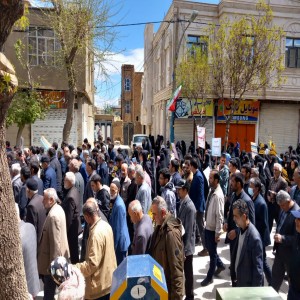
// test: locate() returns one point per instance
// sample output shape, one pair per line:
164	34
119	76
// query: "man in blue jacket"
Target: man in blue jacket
49	175
197	195
118	222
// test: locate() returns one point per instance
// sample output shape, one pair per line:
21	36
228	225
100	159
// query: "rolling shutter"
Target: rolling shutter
279	123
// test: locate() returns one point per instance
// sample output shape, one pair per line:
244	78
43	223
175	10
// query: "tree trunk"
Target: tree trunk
12	280
19	134
227	133
10	12
71	101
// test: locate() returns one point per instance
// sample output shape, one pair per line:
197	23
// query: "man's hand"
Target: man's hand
278	238
217	239
231	235
225	226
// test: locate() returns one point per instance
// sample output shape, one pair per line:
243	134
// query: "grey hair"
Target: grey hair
131	168
282	197
279	166
139	171
70	176
16	168
135	206
161	203
51	192
101	155
256	171
90	207
256	181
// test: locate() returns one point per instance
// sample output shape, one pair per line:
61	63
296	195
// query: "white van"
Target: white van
138	139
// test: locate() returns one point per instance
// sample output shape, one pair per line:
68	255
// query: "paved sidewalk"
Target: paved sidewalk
201	265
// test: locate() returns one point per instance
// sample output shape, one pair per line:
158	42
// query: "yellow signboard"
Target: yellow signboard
186	108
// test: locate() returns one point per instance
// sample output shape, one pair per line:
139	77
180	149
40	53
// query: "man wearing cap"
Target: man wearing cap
48	176
53	241
34	170
294	265
283	238
187	215
36	214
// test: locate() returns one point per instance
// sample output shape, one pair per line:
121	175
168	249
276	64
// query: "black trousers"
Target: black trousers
49	287
189	277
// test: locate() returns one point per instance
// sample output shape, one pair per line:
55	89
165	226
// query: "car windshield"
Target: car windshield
139	139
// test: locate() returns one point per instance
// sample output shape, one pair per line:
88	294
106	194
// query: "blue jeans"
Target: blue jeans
211	246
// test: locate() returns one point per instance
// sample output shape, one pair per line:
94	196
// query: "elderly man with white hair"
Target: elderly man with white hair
283	238
143	228
53	241
71	206
144	190
277	183
16	180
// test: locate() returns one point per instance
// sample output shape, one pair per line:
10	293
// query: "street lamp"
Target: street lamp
175	61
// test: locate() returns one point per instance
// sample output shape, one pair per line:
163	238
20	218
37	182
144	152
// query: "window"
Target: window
292	53
197	41
127	107
127	84
42	46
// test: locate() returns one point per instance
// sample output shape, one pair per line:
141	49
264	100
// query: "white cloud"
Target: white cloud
114	62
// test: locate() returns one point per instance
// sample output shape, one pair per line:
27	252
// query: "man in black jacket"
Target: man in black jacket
283	238
71	206
294	272
101	194
236	184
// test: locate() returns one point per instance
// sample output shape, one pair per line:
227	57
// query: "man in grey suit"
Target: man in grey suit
187	215
36	214
247	255
29	251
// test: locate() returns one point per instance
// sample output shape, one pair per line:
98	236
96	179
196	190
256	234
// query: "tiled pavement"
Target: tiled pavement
201	265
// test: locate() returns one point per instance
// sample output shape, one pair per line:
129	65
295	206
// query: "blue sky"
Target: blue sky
129	47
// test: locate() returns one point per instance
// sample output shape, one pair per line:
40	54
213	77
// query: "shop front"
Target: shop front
243	125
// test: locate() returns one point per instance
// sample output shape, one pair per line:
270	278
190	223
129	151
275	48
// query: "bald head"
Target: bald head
135	211
90	211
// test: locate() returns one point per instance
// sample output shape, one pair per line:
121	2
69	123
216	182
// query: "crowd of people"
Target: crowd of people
161	200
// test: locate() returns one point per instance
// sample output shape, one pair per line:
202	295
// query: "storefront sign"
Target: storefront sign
246	112
216	147
200	108
55	99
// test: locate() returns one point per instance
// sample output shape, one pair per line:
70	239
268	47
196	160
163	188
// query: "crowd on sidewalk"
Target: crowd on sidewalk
162	200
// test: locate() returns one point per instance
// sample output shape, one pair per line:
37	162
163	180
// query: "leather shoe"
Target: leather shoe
203	252
219	270
206	282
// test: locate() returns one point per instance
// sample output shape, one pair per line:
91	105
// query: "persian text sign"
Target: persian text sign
194	108
246	112
201	136
216	147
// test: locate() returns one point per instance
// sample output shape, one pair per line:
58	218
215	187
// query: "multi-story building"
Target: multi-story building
131	97
278	116
41	49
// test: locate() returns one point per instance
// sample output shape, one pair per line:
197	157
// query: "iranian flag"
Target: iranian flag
171	105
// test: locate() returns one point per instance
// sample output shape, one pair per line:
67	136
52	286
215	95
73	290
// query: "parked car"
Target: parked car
138	139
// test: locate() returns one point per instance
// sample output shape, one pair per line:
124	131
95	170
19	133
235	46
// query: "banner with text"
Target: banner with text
201	136
254	149
246	112
198	108
216	147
